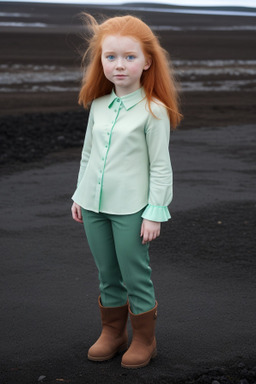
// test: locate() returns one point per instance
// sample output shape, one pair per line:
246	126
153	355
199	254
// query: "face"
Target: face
123	63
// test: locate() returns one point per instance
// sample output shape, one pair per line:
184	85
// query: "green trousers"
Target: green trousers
121	258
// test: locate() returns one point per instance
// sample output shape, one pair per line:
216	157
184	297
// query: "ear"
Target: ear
148	63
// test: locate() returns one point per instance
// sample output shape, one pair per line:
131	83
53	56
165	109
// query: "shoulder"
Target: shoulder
158	118
159	109
101	101
97	105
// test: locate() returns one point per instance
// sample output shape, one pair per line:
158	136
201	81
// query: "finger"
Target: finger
75	214
145	238
78	220
151	237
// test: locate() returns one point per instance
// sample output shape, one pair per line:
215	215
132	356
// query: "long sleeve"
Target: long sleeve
160	170
86	147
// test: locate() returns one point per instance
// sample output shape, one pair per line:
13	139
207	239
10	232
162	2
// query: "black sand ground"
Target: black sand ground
203	269
203	264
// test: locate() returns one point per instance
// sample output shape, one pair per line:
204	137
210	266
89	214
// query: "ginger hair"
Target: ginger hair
158	81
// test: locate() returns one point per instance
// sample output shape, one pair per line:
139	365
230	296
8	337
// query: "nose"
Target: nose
119	63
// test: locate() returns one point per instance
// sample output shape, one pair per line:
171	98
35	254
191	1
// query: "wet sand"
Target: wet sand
204	262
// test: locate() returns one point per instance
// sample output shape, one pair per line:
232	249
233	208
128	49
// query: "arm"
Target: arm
160	174
86	151
76	209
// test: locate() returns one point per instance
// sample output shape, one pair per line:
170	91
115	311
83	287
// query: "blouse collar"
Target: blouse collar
128	100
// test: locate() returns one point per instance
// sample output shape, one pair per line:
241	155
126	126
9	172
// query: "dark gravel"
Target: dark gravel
29	137
236	373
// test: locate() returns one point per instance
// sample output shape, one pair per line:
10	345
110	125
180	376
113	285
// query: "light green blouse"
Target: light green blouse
125	162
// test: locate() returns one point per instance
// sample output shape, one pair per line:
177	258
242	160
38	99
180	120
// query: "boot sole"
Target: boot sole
135	366
121	349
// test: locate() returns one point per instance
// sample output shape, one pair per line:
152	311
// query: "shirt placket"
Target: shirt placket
107	142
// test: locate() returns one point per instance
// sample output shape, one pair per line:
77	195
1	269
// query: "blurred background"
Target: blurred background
212	51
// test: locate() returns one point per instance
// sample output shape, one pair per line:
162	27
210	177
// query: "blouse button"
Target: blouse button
118	100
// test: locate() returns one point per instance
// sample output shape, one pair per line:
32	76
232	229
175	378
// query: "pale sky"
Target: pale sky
239	3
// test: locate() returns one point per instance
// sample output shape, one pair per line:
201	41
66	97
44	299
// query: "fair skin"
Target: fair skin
123	63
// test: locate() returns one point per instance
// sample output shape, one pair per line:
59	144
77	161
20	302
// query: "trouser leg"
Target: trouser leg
99	234
133	259
121	258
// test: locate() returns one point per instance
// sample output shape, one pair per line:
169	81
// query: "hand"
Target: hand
150	230
76	212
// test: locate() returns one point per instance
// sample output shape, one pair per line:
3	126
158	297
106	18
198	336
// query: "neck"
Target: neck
123	92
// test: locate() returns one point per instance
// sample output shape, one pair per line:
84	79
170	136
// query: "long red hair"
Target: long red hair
158	81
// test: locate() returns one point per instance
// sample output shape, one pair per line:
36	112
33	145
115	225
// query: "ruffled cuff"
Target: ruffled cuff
156	213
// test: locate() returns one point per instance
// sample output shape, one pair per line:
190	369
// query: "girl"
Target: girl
125	178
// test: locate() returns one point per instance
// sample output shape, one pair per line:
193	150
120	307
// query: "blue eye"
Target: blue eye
110	57
130	57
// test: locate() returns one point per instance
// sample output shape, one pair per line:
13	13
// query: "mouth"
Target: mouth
120	76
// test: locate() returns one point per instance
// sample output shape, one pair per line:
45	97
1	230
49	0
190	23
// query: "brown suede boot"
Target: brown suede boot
143	346
114	337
